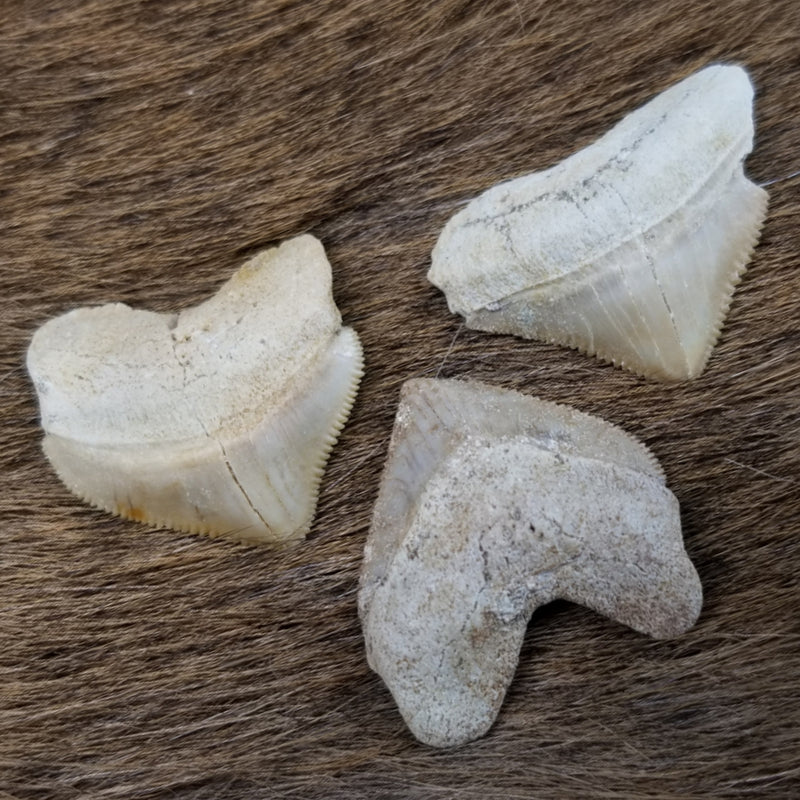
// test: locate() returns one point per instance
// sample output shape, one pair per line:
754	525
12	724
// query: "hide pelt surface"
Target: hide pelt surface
147	148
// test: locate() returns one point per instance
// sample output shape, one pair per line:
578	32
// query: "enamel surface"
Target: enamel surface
217	420
630	249
492	504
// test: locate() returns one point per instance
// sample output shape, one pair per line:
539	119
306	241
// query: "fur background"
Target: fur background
147	148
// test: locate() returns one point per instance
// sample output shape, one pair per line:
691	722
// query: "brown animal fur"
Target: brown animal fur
145	149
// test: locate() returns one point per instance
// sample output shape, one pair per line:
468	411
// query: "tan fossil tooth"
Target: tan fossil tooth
491	504
629	249
217	420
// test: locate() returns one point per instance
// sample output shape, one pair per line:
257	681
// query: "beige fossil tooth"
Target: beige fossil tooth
629	249
491	504
217	420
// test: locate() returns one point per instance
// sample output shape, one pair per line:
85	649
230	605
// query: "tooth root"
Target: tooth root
492	504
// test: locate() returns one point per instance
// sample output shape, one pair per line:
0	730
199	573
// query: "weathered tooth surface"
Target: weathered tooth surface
629	249
491	504
217	420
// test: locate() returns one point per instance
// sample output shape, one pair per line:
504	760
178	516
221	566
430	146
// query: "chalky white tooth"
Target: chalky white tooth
630	249
491	504
217	420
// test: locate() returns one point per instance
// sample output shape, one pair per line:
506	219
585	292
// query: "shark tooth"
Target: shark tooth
493	503
217	420
630	249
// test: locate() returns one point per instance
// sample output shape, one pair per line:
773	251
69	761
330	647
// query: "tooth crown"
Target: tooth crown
629	249
492	504
217	420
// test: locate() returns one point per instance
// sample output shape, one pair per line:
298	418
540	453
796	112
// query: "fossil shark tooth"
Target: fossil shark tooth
491	504
216	420
630	249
